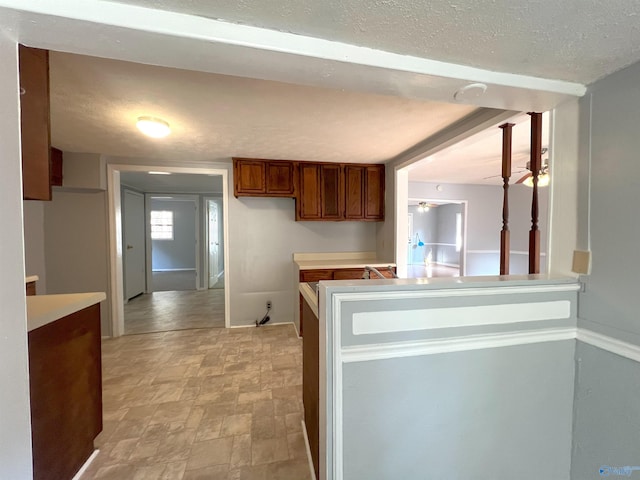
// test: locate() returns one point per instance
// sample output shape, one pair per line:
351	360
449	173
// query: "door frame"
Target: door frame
115	233
178	197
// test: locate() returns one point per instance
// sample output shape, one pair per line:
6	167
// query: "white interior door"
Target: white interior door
133	244
214	241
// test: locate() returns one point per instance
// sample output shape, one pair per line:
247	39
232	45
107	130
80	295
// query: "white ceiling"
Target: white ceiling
573	40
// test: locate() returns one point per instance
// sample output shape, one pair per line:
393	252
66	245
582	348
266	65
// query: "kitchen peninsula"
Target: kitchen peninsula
400	374
65	381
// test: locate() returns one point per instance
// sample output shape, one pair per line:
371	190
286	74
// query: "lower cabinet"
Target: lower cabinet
65	381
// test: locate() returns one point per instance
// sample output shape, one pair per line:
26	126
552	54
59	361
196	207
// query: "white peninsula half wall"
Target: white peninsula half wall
419	378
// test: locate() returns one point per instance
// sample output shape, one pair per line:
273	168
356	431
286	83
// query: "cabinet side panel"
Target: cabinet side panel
34	122
65	377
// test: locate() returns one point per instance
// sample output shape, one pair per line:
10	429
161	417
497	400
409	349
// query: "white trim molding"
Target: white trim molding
366	353
610	344
369	323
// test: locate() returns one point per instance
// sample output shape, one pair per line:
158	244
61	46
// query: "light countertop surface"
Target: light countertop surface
319	261
32	278
44	309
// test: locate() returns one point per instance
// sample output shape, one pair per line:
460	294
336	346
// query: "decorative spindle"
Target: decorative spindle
505	240
535	165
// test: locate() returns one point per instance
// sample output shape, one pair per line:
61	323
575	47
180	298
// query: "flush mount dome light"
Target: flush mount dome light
153	127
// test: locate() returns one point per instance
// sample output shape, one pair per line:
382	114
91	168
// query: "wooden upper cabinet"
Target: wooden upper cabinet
309	204
281	178
249	177
374	192
354	192
332	192
35	124
263	178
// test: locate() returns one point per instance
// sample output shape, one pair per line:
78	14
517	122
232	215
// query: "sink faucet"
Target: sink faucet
368	270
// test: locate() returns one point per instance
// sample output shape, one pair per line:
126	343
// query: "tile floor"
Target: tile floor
178	310
215	404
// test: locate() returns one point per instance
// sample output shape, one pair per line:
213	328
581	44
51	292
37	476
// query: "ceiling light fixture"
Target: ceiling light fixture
423	207
153	127
159	173
543	180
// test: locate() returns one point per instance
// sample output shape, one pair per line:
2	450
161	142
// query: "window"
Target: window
161	225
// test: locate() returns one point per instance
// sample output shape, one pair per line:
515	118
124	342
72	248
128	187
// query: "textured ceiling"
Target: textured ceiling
95	103
573	40
478	159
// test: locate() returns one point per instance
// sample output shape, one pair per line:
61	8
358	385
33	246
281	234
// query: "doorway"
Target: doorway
183	309
173	242
436	239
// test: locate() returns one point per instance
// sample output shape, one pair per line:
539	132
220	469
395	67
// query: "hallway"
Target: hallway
216	404
175	310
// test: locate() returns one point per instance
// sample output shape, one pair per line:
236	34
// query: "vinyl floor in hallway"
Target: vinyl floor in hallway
215	404
177	310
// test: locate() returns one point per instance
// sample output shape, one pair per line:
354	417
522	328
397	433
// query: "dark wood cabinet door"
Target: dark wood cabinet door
309	198
249	177
374	192
354	192
332	193
280	179
34	120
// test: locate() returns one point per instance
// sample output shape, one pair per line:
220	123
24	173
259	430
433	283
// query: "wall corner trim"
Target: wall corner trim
610	344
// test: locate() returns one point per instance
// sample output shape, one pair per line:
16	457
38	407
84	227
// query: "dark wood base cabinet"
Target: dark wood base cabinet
311	382
65	378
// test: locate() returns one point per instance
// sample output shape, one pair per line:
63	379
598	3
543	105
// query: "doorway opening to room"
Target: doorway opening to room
467	173
436	238
169	252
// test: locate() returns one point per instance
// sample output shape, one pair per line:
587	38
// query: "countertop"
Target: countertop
44	309
319	261
32	278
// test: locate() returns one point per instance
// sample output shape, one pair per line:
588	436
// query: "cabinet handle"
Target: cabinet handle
129	247
22	91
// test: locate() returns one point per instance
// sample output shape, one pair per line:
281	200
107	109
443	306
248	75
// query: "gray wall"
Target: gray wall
478	415
484	222
179	253
611	302
606	412
446	215
34	255
76	246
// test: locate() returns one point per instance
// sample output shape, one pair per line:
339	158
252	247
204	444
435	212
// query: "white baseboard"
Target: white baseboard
86	464
160	270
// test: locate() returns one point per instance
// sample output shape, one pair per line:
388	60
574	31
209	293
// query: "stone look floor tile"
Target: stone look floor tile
208	403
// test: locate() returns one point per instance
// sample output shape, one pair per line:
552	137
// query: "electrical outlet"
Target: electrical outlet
268	304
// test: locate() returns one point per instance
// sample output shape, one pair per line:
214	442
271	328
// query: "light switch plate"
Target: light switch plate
581	262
